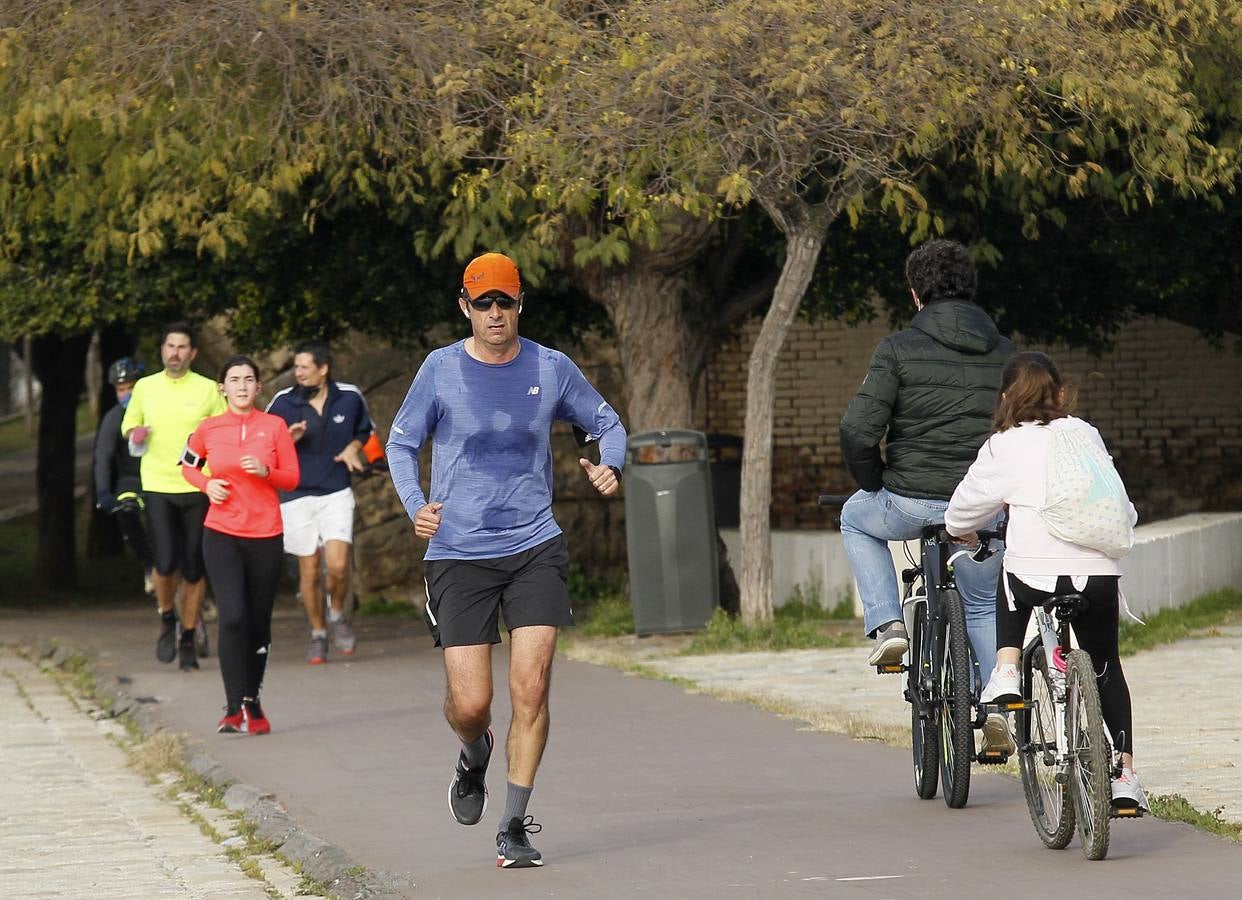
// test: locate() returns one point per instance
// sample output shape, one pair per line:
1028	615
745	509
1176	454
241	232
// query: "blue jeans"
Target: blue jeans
869	521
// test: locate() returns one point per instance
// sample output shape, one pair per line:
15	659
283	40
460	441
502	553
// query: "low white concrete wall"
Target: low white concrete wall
1173	562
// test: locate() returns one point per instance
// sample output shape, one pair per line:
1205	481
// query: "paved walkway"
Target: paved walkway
646	790
1188	735
76	821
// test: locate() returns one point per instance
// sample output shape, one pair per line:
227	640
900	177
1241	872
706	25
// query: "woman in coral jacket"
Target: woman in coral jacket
240	459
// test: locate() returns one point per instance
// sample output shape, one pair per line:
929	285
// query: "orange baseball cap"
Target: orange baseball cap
491	272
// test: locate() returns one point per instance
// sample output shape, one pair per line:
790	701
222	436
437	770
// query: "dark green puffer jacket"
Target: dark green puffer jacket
931	390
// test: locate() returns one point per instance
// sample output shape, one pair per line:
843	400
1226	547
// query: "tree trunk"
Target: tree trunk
6	378
58	362
805	228
646	308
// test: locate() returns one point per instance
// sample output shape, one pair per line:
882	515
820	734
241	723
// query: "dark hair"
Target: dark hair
320	352
1032	390
238	360
941	270
180	328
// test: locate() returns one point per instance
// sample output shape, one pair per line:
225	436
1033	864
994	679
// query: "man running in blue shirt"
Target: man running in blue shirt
488	403
329	423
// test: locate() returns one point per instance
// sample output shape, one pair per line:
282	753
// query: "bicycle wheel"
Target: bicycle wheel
1047	800
1089	756
957	715
925	729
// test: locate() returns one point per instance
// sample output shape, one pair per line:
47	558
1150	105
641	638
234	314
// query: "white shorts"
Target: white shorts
312	521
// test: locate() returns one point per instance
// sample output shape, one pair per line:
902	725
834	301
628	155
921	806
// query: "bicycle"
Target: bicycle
1064	753
939	666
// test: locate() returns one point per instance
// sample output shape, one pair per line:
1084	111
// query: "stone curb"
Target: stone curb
326	863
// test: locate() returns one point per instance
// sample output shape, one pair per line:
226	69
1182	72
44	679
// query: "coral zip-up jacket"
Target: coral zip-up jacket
253	507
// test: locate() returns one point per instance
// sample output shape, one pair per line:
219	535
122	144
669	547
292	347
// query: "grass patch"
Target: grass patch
160	753
380	605
13	434
1175	808
601	604
798	625
101	580
1212	610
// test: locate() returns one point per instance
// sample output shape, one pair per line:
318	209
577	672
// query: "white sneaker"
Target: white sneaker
996	736
1128	792
1003	687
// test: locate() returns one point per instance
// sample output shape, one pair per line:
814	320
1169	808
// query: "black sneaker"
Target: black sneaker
189	658
166	644
513	849
468	792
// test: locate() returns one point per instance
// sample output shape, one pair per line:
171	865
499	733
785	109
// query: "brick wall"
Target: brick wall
1165	400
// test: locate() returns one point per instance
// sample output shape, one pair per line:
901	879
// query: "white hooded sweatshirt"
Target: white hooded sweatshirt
1011	469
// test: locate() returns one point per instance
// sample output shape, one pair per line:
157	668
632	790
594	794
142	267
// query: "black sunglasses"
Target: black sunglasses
483	304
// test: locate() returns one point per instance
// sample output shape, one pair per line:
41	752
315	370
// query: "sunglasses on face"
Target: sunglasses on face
483	304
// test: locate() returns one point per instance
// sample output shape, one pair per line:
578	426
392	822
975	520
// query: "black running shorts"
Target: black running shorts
465	596
176	522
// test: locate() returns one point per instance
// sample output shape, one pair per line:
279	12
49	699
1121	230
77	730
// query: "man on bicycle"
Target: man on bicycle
929	395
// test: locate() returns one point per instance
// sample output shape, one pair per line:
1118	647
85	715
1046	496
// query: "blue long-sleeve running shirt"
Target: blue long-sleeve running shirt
491	457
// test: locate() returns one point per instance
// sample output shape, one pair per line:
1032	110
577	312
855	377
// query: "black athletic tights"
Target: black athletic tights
244	573
1096	630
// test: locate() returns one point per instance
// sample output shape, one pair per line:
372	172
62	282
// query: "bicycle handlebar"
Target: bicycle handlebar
833	499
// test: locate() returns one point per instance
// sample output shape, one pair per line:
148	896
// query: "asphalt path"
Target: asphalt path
645	790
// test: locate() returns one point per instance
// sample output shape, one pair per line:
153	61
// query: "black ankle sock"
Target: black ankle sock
169	616
187	637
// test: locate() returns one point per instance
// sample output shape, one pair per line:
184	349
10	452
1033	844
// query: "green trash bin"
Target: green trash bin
670	531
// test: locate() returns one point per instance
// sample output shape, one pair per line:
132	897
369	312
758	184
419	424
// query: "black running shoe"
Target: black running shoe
189	658
513	849
166	644
468	792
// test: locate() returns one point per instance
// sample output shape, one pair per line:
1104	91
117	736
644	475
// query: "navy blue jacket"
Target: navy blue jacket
345	418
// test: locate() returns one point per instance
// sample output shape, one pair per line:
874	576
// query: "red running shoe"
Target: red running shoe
232	722
255	721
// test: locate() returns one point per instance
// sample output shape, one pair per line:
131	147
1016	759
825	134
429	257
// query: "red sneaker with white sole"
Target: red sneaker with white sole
255	721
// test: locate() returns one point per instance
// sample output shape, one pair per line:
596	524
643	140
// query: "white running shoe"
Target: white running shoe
1128	791
1003	687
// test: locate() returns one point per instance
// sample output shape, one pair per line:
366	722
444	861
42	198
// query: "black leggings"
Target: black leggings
245	573
1096	630
176	522
135	534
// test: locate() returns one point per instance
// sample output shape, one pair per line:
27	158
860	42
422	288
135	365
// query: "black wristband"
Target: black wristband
616	472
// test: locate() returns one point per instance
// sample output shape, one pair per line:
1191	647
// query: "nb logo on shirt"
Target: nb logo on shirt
338	418
533	391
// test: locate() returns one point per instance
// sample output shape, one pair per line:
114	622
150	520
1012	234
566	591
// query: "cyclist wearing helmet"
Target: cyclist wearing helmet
118	486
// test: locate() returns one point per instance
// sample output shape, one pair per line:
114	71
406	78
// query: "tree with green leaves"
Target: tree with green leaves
814	111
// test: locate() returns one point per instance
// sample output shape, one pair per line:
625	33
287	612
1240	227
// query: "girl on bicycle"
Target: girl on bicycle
1010	471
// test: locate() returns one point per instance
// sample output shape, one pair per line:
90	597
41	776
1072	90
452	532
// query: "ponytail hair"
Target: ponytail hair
1032	390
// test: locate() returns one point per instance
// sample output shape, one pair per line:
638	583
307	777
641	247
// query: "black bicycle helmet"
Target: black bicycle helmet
125	369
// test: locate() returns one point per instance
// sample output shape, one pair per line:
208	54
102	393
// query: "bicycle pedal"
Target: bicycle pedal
890	669
992	757
1125	812
1006	707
